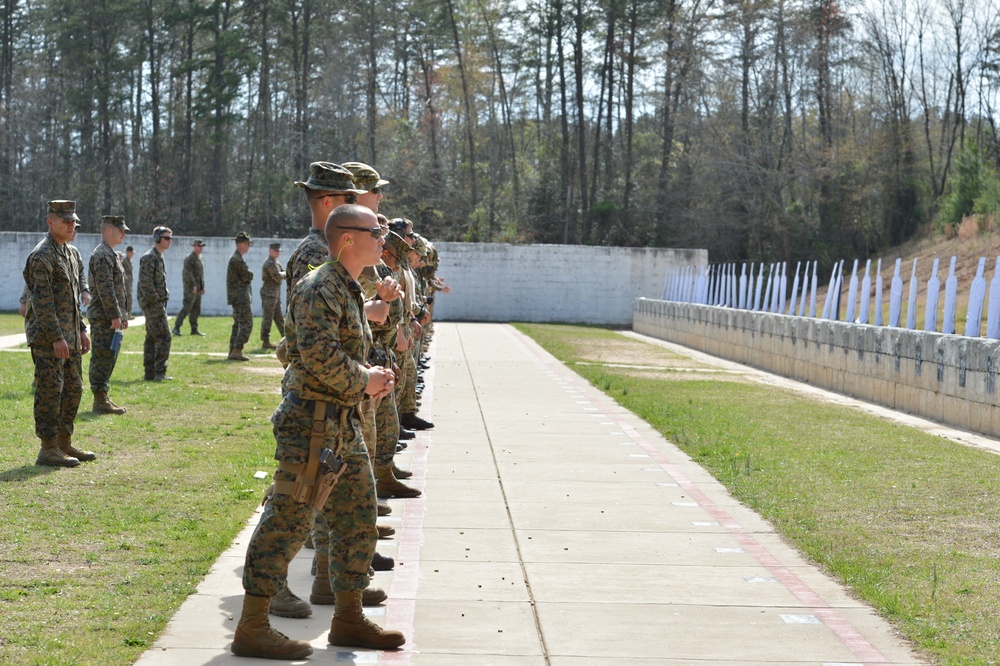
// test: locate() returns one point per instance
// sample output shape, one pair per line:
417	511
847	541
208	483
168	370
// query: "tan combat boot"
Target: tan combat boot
266	344
350	627
236	354
401	473
287	604
255	637
65	443
385	531
387	485
323	595
52	456
103	404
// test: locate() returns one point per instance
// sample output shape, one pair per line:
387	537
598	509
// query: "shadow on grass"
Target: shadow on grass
25	472
222	360
131	382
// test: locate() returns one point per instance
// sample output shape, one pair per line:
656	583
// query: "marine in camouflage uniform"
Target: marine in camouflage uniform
57	336
193	275
107	311
153	295
127	270
387	475
273	276
327	338
406	390
239	295
327	186
405	404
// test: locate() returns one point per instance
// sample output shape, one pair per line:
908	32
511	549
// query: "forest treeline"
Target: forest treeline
760	129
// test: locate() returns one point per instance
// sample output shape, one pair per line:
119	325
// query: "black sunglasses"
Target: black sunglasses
376	232
376	190
169	238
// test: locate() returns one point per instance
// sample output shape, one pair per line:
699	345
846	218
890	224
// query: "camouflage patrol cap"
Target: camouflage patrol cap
397	245
64	209
243	236
365	177
329	176
117	221
199	242
274	246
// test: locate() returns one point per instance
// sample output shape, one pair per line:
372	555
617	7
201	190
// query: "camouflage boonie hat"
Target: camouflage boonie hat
419	245
64	209
395	242
117	221
331	177
199	242
243	236
365	177
274	246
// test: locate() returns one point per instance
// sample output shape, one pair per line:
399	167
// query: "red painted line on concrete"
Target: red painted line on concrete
837	623
400	613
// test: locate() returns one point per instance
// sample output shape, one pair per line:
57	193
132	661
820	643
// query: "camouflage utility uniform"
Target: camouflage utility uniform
127	272
405	387
153	296
238	294
386	425
52	275
108	279
311	253
327	337
270	298
194	284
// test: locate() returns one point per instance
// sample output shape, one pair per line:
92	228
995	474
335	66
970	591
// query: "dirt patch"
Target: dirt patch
631	353
675	374
267	371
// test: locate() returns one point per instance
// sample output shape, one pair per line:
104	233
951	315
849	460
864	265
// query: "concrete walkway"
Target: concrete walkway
558	528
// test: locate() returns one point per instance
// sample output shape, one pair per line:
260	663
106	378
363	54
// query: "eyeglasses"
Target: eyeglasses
376	232
376	190
166	238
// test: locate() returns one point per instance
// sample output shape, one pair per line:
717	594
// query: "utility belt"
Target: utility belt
315	479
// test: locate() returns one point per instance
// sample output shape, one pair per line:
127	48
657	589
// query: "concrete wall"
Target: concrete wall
17	246
947	378
490	282
552	283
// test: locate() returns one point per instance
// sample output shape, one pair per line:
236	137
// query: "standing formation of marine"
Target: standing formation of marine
360	292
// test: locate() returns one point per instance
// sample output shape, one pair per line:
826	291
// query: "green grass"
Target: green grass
95	560
909	521
11	323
